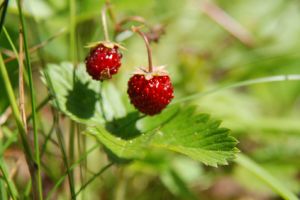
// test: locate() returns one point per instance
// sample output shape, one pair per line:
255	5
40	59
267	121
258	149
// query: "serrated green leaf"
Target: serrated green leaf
78	96
179	129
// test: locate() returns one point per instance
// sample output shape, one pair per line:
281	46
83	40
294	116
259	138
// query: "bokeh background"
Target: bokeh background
206	45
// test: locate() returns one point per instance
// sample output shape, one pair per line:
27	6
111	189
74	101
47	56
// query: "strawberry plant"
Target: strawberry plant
83	117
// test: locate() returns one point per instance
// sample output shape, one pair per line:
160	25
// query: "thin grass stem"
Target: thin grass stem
38	190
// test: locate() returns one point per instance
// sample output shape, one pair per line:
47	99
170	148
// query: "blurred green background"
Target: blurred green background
200	55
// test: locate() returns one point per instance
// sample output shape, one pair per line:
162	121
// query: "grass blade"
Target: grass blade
10	184
262	174
269	79
16	114
2	19
62	178
38	191
93	178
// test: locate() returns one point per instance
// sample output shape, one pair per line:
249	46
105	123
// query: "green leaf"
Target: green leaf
80	97
112	105
179	129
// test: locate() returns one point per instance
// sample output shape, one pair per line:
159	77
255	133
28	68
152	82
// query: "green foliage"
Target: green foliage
254	98
82	99
78	96
179	128
4	102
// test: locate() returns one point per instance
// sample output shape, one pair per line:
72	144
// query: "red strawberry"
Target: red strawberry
150	92
103	61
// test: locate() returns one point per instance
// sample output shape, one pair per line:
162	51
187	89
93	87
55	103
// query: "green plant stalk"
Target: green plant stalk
11	43
48	136
15	52
147	44
72	148
27	190
93	178
104	23
81	150
2	19
59	136
16	113
262	174
64	154
73	31
73	58
59	182
10	184
37	168
3	193
11	139
14	106
269	79
110	12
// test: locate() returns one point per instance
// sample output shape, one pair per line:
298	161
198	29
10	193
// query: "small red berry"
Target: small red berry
150	94
103	61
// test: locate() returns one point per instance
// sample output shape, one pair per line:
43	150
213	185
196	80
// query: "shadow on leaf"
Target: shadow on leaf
81	100
116	159
125	127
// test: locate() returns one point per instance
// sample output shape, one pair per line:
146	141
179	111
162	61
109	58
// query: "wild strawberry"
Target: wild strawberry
103	61
150	92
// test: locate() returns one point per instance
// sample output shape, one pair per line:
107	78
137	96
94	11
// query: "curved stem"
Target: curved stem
137	30
110	11
121	23
104	23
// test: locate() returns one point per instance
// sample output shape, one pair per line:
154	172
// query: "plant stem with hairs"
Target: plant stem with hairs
149	52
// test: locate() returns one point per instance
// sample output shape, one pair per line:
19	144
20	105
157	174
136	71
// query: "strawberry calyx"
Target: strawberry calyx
107	44
156	71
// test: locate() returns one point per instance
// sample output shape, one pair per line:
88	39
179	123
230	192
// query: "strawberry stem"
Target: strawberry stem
104	23
119	26
137	30
110	11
